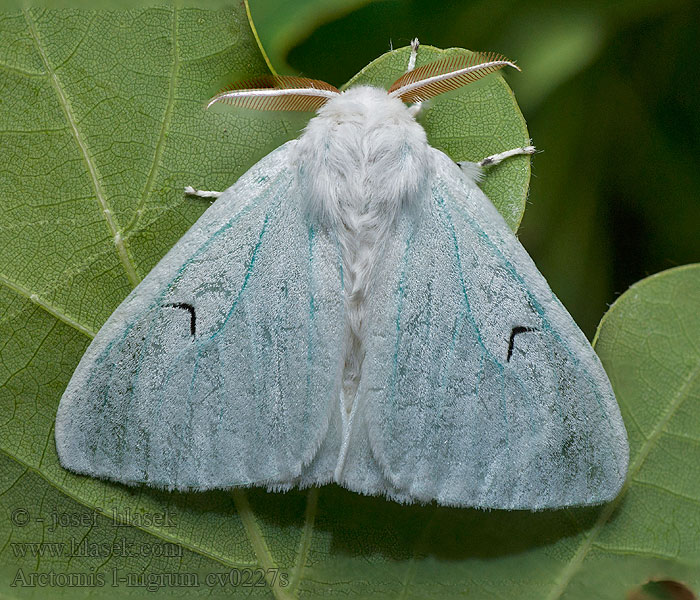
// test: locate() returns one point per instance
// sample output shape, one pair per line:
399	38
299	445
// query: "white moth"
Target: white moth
352	310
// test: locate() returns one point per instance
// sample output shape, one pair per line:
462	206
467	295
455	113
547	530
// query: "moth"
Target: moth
352	310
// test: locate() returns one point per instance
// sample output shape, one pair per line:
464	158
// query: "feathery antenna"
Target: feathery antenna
445	75
277	93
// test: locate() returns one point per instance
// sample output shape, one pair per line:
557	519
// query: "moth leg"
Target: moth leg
474	170
190	191
494	159
414	109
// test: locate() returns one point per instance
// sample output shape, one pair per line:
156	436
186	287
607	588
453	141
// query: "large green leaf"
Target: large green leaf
103	111
648	342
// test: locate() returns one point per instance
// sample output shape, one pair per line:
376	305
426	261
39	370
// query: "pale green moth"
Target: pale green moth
352	310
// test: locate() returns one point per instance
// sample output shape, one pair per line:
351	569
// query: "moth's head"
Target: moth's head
364	105
301	94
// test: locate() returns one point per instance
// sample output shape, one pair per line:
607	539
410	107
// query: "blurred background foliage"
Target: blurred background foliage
611	94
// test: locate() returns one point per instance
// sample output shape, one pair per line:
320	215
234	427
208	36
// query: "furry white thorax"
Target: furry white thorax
362	161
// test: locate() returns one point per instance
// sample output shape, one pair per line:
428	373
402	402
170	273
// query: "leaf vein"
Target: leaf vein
54	312
305	540
257	540
167	118
21	71
656	486
92	169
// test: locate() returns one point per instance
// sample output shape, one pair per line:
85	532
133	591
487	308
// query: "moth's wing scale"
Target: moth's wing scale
478	388
220	368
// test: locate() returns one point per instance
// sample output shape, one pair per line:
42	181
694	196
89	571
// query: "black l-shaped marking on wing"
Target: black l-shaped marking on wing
190	309
513	333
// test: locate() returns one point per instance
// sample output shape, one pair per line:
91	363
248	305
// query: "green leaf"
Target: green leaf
648	343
